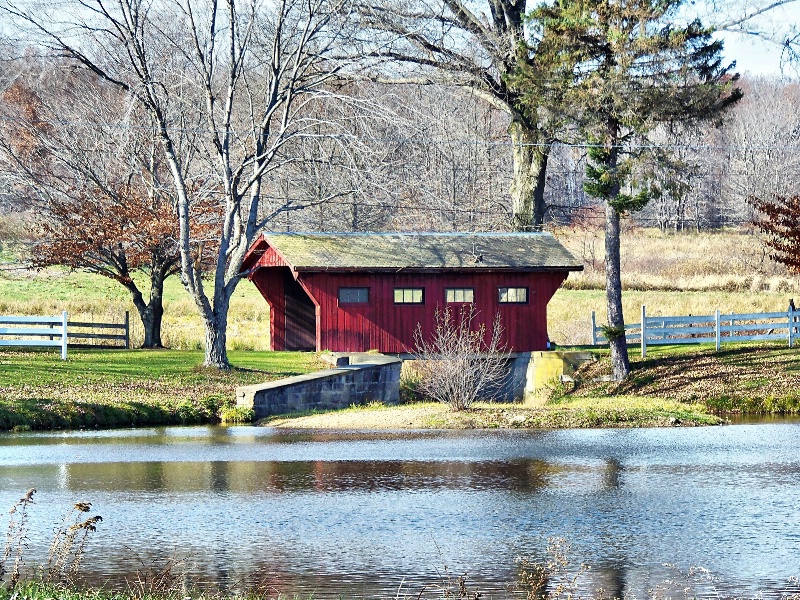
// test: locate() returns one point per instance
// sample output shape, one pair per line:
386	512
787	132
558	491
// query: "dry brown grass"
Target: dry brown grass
568	314
88	297
673	274
727	260
757	379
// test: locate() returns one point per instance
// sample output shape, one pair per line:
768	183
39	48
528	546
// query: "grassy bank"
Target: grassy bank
563	414
740	379
674	385
116	388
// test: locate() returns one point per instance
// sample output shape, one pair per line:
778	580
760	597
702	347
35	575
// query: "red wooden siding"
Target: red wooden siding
383	325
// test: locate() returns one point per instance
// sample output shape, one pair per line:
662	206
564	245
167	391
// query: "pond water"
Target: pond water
366	514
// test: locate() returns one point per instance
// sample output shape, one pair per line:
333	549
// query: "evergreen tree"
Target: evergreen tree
623	68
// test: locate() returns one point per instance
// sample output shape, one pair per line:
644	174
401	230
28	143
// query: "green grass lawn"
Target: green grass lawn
89	297
116	388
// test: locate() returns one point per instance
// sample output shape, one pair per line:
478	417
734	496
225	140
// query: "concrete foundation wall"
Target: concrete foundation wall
364	377
377	379
529	373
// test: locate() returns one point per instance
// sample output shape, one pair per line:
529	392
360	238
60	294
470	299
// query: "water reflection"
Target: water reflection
369	513
518	476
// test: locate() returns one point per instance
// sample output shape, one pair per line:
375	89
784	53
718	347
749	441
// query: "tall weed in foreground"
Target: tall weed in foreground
17	537
449	586
66	550
553	579
160	580
69	544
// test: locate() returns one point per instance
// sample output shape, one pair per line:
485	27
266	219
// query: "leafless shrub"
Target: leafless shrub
17	537
553	579
458	364
155	578
68	545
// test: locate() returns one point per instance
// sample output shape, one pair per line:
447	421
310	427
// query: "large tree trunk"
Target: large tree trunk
530	169
616	323
152	312
216	326
152	335
616	333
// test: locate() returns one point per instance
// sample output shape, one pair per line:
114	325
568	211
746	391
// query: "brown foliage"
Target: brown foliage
109	232
119	230
22	132
780	219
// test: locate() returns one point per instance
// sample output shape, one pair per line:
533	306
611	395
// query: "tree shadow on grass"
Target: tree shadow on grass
756	380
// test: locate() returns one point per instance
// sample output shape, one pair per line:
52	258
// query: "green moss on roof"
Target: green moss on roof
311	251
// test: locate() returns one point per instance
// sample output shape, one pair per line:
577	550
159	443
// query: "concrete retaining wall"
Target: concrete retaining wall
529	373
368	378
360	378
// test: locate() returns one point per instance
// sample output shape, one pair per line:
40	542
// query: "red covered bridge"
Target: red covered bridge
352	292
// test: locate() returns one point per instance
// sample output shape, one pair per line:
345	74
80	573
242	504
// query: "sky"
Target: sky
756	56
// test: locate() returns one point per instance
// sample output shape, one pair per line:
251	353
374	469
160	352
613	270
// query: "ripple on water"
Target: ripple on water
371	512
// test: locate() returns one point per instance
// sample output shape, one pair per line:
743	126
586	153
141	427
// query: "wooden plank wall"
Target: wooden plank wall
383	325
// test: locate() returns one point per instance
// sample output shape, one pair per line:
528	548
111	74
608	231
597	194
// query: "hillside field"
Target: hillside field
673	274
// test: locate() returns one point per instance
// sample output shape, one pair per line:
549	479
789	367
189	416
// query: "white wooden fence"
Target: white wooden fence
718	328
55	331
29	331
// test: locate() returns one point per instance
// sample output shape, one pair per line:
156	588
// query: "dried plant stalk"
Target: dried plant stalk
17	537
68	545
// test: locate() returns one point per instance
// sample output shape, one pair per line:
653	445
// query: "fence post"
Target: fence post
791	327
127	330
717	329
594	330
643	329
64	335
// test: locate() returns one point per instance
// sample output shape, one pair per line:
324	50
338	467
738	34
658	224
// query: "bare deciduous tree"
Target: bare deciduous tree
754	19
476	46
235	75
94	190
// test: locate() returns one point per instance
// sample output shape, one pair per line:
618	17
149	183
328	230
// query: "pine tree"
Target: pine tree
623	69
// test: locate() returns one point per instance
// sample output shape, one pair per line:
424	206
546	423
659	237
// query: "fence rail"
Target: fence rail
59	331
718	328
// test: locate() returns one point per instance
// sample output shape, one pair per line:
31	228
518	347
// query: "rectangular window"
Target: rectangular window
409	296
513	295
359	295
459	295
